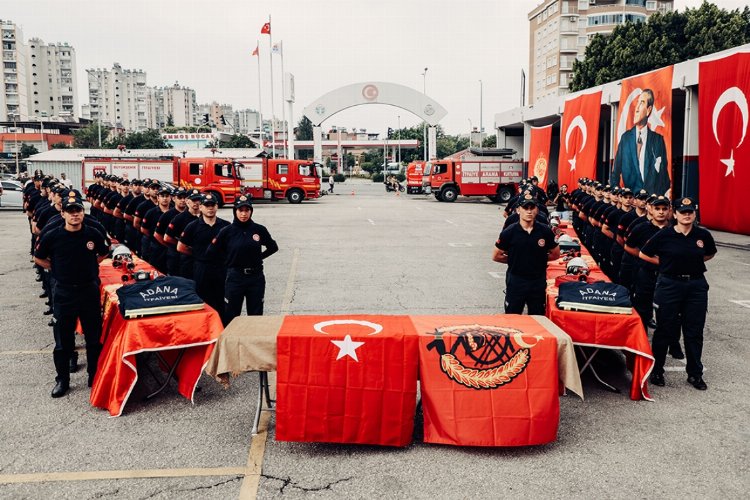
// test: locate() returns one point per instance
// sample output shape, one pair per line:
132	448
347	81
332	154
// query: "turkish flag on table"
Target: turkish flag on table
724	145
539	154
488	380
346	380
578	138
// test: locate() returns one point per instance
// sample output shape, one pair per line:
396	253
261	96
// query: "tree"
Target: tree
27	150
490	141
88	137
662	40
60	145
239	141
304	130
170	120
148	139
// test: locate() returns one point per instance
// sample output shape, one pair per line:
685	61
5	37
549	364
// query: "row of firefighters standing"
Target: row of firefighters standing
644	242
176	231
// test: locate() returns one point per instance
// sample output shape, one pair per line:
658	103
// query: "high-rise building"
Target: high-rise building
14	91
215	111
560	30
180	106
246	121
118	97
52	81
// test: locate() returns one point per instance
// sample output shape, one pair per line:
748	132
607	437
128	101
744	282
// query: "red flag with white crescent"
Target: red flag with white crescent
346	380
579	133
651	170
266	29
723	119
539	154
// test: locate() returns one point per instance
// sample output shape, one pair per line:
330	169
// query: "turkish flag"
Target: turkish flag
539	154
657	169
346	380
578	138
266	29
488	380
724	145
255	52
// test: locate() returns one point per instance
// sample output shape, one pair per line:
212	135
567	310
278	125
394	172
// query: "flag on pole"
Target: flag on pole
277	49
266	29
255	52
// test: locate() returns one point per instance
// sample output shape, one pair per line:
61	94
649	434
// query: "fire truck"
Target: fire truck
414	173
225	178
495	177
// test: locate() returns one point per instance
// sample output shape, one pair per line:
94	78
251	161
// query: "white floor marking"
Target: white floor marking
496	274
462	245
743	303
371	221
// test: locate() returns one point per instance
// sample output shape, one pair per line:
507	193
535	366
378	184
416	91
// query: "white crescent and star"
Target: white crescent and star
347	347
735	95
579	123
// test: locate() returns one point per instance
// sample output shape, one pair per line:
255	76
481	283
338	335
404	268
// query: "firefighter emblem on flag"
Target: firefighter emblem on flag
481	357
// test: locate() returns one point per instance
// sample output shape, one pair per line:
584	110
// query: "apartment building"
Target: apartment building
14	92
118	97
180	107
215	111
559	32
51	79
246	121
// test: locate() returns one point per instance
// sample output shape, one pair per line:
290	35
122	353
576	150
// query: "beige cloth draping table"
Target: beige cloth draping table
249	344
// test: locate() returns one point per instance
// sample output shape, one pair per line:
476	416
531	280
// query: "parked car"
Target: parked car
11	194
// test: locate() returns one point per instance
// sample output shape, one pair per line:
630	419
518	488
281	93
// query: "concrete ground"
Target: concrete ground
362	250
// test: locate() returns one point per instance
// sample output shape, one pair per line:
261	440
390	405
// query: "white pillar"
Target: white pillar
318	144
432	143
290	153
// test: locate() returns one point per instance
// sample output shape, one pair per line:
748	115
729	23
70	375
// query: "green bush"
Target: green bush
339	178
400	177
377	177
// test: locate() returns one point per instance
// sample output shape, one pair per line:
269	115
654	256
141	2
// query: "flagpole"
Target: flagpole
260	97
285	125
273	112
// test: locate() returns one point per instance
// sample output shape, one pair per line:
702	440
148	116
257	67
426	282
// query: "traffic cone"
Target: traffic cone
352	192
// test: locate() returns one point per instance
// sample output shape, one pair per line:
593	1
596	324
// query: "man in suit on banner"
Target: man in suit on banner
641	158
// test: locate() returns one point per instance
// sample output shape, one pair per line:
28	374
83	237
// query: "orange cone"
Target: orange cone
352	192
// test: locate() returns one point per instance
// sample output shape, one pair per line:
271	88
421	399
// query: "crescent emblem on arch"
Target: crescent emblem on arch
320	327
370	92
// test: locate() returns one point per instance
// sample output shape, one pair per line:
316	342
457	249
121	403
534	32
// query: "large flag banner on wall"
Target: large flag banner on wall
578	138
488	380
724	145
351	380
539	154
643	138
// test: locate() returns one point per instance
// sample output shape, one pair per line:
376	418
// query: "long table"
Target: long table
185	341
250	343
623	332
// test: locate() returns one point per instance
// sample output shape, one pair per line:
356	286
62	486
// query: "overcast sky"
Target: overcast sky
207	45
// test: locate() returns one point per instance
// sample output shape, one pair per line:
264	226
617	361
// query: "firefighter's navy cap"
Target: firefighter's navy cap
195	195
180	192
642	195
155	185
607	189
534	178
71	198
60	189
616	190
164	190
206	199
526	200
125	182
243	201
686	204
626	192
46	182
135	182
660	200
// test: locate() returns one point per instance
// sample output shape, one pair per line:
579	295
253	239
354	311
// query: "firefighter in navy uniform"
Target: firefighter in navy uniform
526	246
209	273
177	226
240	246
72	252
681	295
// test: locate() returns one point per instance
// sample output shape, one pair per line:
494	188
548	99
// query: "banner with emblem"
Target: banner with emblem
724	145
578	138
347	380
643	137
488	380
539	154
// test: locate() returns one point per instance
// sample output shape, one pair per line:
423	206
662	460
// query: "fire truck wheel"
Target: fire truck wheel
295	196
437	196
450	194
504	195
